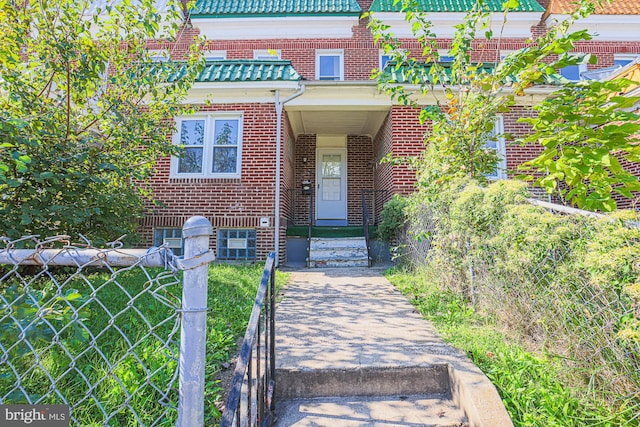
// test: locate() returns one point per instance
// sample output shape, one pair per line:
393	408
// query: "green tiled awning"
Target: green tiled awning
256	8
405	74
243	71
454	6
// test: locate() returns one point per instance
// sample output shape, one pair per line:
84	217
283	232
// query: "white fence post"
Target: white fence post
196	232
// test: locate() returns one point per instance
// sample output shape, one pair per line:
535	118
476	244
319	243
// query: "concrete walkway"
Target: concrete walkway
349	340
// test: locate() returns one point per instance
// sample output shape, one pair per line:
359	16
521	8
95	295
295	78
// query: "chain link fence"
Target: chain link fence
98	330
561	281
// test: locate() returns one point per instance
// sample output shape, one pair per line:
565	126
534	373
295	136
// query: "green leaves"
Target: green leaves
80	118
588	144
587	137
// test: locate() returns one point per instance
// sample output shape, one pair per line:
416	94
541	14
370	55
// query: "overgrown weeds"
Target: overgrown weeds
531	385
563	287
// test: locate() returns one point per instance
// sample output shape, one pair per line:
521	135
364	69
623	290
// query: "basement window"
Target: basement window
237	244
172	237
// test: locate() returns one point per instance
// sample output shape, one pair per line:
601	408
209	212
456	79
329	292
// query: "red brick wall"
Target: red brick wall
383	144
359	174
408	141
227	203
305	147
241	202
287	178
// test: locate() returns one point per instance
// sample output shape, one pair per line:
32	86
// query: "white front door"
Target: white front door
331	188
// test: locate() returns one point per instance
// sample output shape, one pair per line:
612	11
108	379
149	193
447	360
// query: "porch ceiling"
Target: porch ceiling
339	108
337	121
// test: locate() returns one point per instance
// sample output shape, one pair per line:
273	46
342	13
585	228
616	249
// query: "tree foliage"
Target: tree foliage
470	95
85	112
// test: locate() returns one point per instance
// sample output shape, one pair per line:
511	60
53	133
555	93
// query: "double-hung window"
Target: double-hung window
573	72
329	65
215	55
622	59
212	146
384	58
269	54
495	141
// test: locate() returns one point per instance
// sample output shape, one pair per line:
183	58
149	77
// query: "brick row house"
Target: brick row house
287	108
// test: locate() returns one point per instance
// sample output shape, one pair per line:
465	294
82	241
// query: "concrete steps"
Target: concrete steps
407	396
423	410
352	351
338	252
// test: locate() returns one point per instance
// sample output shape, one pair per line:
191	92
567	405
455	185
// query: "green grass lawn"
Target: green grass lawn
531	386
119	314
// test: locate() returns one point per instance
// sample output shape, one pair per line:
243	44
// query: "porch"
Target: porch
313	245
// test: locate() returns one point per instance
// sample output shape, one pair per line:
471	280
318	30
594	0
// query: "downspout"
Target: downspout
279	107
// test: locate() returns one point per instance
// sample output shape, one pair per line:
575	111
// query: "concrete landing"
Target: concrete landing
412	410
347	339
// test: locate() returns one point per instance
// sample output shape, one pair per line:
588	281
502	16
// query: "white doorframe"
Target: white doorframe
331	203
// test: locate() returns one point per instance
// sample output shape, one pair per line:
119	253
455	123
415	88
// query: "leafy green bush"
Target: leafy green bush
565	286
393	219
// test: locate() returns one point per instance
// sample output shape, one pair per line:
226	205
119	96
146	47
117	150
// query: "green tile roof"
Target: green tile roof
454	6
243	71
406	73
257	8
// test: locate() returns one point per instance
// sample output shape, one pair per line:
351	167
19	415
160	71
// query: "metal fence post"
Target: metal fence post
196	232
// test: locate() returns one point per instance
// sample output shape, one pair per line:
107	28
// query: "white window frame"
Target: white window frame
214	55
159	55
267	54
625	57
505	53
330	52
445	53
581	69
208	147
382	63
501	149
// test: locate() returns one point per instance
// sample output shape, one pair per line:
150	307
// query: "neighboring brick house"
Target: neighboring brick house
287	98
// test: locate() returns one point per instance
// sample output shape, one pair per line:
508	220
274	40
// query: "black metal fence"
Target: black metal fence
251	399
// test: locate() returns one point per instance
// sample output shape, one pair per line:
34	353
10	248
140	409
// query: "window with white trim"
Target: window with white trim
444	56
159	55
215	55
505	53
211	146
330	64
264	54
384	58
623	59
495	141
171	237
573	72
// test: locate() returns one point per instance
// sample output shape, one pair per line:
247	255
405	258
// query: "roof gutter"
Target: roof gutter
279	106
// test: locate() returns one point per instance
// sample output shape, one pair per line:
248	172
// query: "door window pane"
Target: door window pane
331	189
331	165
